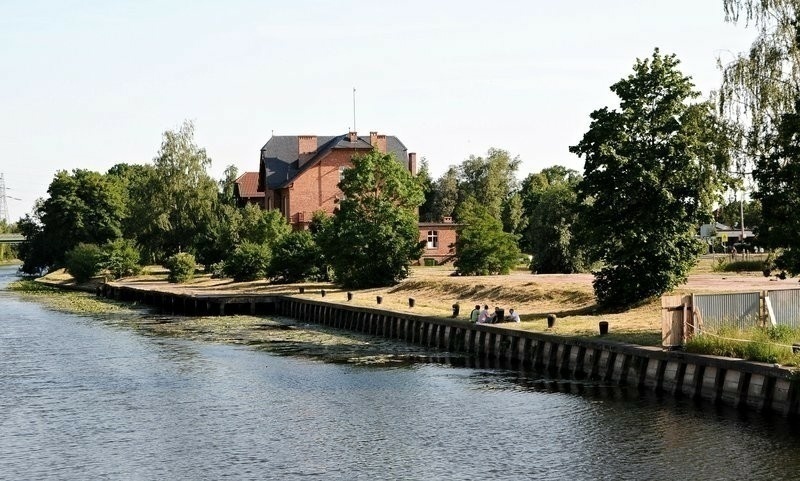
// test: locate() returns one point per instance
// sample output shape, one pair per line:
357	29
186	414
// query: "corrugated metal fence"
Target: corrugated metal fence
741	310
746	309
786	307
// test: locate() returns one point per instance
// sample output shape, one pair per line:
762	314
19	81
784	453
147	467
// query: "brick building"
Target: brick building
299	175
245	189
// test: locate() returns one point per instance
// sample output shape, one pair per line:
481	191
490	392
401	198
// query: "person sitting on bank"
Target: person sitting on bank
475	314
484	316
496	317
512	316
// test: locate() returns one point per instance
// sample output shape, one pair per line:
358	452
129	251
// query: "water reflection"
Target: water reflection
110	397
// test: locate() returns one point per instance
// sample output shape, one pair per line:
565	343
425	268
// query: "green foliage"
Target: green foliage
84	261
227	186
373	237
482	246
652	172
771	344
181	267
175	205
248	262
550	209
297	258
738	266
121	258
82	207
445	195
426	210
778	177
490	180
730	214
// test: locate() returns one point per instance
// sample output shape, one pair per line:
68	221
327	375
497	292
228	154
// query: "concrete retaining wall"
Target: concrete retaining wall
741	384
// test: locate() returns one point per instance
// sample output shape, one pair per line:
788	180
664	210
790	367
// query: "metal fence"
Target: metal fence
785	307
741	310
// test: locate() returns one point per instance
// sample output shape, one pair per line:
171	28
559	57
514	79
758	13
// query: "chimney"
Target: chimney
412	163
378	142
306	148
353	137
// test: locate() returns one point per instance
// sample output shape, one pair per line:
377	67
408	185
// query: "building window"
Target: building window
433	239
341	173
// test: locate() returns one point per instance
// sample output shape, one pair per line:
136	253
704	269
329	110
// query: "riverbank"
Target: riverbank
435	290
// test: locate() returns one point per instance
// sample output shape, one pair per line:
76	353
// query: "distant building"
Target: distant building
724	234
299	175
246	191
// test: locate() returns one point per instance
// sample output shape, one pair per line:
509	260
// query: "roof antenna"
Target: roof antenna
354	110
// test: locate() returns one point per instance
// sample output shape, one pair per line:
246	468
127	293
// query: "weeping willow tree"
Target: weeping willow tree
760	92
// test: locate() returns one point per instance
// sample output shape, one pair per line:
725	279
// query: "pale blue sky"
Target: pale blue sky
87	84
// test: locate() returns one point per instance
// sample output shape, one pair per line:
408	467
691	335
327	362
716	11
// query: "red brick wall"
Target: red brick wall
316	188
446	246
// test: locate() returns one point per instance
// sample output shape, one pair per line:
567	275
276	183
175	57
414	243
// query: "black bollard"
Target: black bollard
603	328
322	292
302	290
551	320
349	296
795	348
410	302
379	299
456	308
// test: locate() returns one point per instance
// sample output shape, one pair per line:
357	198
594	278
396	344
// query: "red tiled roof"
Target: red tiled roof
247	185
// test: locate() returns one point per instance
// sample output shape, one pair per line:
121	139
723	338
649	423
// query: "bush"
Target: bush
297	258
248	262
739	266
181	267
121	258
769	344
84	261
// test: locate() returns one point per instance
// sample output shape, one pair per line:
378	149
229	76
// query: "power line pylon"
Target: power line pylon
3	203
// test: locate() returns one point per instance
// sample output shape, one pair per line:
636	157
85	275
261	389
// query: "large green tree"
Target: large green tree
81	207
490	180
653	170
373	237
177	205
445	195
761	91
550	208
778	177
482	247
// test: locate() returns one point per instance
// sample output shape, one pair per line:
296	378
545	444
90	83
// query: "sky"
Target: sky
92	83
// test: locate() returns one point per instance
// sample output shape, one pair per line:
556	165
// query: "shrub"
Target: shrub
769	344
296	258
121	258
181	267
84	261
248	262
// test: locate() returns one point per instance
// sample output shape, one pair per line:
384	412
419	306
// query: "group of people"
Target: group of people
482	316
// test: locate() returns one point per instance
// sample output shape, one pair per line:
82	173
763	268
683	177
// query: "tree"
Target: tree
730	213
426	212
778	177
482	248
227	186
82	207
652	172
445	198
551	212
373	236
179	201
297	258
491	180
761	91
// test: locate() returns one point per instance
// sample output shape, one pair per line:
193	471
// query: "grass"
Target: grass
771	345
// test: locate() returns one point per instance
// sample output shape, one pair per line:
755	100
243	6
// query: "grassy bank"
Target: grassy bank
771	345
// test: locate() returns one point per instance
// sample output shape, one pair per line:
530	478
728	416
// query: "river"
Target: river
82	397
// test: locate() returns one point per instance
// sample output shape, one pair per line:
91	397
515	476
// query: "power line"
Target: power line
3	203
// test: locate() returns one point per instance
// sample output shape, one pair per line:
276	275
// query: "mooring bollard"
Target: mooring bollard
551	320
410	302
322	292
795	348
379	299
302	290
349	296
456	308
603	328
